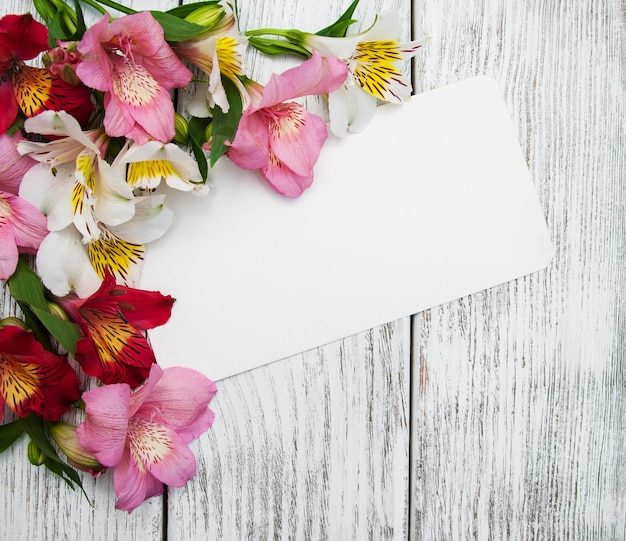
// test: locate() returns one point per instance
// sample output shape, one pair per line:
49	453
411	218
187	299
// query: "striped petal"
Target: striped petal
33	379
120	257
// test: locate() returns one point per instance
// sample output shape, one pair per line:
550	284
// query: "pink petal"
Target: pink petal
105	429
146	31
318	75
299	147
13	166
167	68
133	484
284	181
180	399
161	451
141	394
118	119
29	224
249	150
8	249
93	70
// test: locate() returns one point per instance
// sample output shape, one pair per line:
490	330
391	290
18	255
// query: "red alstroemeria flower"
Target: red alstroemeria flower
21	38
33	379
31	89
113	348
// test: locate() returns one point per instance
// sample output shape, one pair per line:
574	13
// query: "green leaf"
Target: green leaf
339	28
34	426
225	124
44	9
9	434
175	28
65	332
26	288
197	129
183	11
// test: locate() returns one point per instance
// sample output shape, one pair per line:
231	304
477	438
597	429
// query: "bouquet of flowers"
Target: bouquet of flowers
91	144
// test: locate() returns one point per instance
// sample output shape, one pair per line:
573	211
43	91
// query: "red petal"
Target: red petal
21	38
37	90
113	351
8	111
33	379
142	309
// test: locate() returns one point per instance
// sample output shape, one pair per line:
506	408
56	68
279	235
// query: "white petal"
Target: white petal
63	264
350	109
50	193
152	219
59	123
114	197
198	106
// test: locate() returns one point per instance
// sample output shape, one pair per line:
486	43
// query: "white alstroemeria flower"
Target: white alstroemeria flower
72	182
372	57
65	263
154	162
217	52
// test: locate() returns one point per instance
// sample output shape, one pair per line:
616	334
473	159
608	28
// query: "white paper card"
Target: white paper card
434	201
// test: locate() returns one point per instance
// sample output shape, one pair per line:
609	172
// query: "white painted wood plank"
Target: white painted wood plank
38	505
518	396
315	446
311	447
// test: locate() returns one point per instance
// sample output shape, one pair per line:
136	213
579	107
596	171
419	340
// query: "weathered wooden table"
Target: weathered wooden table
497	416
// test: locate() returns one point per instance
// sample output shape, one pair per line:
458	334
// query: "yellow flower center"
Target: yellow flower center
375	71
228	57
115	254
148	174
32	87
19	382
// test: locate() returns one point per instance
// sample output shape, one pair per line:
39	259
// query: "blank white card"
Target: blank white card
434	201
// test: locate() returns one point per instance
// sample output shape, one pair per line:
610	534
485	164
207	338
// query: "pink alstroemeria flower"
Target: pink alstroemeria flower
282	139
130	61
22	229
13	165
143	435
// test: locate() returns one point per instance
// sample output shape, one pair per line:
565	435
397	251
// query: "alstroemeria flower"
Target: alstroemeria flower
22	229
372	57
153	162
217	52
144	435
282	139
65	263
13	165
129	60
27	88
33	379
21	38
113	348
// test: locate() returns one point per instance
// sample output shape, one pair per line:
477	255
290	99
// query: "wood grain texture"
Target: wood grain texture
37	504
518	396
511	421
316	446
311	447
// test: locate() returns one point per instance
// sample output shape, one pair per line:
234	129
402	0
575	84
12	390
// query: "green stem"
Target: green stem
110	4
268	31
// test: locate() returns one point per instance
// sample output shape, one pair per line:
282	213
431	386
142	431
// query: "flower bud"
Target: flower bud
13	321
182	129
35	455
65	437
57	311
62	61
208	16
